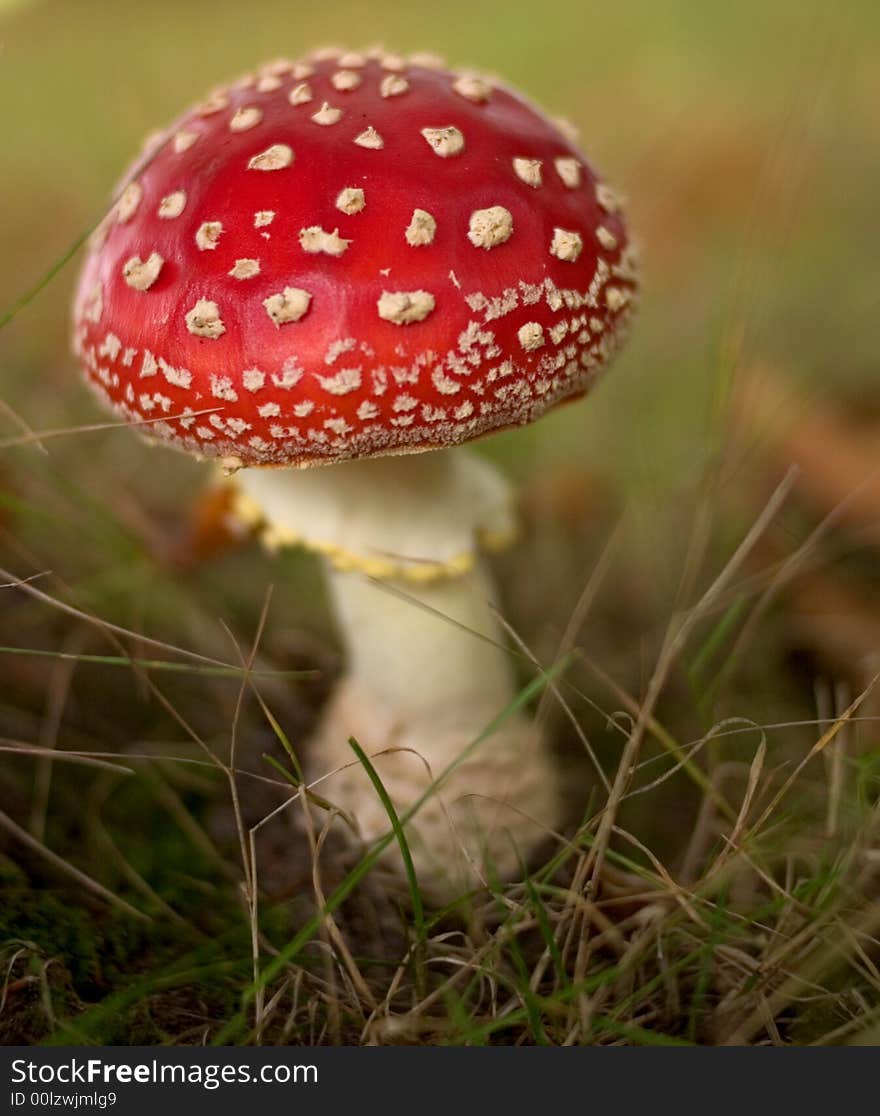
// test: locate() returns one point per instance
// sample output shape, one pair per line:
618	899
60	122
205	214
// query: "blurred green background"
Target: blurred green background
746	138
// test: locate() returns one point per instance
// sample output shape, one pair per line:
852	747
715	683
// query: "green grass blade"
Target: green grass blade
546	929
155	664
410	868
47	277
282	738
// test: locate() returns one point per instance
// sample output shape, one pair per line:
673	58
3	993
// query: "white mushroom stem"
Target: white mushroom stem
430	652
427	669
427	672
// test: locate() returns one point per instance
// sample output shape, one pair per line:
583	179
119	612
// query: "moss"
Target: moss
112	977
96	946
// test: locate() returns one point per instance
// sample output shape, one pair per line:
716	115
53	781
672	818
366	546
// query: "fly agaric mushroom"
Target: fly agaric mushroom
346	261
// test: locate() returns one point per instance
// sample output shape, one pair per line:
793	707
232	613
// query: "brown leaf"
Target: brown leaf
210	531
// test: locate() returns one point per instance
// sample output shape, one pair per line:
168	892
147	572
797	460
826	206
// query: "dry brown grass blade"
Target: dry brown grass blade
58	688
815	964
25	584
676	640
18	421
732	841
824	740
555	691
247	663
69	869
589	869
21	749
104	760
835	762
676	892
12	986
682	754
381	1024
39	436
172	801
334	936
246	842
19	582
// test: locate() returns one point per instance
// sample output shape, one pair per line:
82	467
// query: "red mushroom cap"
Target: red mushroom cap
350	256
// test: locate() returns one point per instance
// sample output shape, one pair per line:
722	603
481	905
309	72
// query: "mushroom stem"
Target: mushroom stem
427	666
428	652
427	672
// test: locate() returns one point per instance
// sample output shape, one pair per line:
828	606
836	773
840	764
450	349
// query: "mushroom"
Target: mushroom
316	279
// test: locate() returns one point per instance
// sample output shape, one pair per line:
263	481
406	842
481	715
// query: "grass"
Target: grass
716	883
